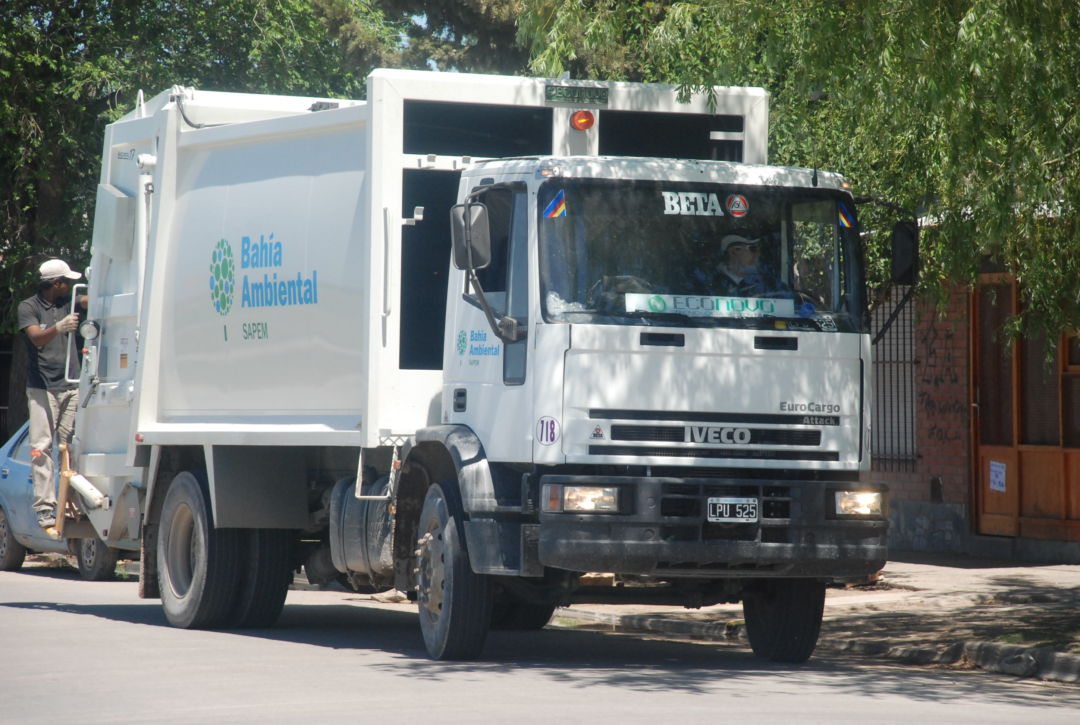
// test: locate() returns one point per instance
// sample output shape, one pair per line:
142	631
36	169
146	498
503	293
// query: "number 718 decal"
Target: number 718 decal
547	431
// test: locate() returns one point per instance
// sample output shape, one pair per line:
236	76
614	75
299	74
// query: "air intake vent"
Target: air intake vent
776	343
762	454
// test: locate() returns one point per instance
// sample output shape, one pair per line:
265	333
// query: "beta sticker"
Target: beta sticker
691	203
737	205
547	431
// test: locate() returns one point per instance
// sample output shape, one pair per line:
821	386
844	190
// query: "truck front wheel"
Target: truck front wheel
454	602
198	565
783	618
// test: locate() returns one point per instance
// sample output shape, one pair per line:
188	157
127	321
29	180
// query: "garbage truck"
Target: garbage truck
478	339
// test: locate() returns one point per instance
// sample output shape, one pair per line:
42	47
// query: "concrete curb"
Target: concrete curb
1034	662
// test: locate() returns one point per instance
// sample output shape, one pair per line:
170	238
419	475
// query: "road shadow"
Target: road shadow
574	659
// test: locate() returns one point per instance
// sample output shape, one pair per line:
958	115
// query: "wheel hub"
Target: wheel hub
431	573
180	551
89	552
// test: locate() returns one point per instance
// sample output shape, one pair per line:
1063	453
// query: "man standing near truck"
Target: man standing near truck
48	325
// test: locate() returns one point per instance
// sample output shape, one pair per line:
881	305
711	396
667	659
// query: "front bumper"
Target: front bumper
662	531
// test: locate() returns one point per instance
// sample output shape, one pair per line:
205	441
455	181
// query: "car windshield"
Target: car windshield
654	252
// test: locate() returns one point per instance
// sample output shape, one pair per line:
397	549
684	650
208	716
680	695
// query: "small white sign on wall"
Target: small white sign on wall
997	476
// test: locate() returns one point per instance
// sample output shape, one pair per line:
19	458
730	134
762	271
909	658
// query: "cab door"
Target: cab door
487	378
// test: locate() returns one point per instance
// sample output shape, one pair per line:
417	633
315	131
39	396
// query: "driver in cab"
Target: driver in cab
740	272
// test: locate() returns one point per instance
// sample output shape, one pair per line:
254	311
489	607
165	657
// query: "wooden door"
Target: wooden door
1026	423
997	489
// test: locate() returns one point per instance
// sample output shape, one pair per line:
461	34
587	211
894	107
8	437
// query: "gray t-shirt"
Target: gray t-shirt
45	368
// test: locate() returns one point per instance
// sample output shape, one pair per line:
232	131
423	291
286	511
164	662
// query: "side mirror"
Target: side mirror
905	252
471	235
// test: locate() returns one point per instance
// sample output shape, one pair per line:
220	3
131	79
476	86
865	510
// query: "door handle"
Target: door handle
4	472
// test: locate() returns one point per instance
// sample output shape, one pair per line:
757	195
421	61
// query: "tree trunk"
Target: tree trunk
17	412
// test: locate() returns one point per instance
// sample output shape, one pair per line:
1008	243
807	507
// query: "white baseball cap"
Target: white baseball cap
56	268
735	239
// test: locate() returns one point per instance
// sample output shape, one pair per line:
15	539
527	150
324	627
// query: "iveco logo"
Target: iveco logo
709	434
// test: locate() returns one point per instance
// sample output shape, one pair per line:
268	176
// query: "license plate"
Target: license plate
733	510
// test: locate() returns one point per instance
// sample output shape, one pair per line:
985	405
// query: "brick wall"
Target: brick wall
930	508
942	429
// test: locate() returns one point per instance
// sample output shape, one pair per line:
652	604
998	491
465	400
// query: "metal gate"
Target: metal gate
893	428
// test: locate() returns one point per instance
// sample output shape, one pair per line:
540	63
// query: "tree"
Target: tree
465	35
69	68
966	111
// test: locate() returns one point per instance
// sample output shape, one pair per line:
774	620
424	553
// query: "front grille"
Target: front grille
682	452
667	434
714	417
757	436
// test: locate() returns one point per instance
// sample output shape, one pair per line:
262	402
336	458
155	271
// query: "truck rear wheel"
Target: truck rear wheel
198	565
454	602
783	618
97	562
12	553
265	576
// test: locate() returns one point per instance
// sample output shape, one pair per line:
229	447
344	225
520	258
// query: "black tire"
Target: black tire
783	618
454	602
511	613
265	575
12	553
97	562
198	565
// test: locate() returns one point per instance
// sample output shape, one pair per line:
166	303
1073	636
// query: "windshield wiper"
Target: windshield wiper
684	320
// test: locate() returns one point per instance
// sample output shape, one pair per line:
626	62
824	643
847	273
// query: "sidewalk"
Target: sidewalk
928	609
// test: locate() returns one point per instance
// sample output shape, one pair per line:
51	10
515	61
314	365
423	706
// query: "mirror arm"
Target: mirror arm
505	327
891	206
885	203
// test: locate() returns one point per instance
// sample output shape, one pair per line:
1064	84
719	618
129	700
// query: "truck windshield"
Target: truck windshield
694	254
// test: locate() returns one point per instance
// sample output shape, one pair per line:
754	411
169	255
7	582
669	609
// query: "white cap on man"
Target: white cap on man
730	239
56	268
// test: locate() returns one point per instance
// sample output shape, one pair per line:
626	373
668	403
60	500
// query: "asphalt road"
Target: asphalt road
83	652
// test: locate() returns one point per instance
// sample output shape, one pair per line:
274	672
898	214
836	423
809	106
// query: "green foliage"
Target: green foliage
69	68
965	111
476	36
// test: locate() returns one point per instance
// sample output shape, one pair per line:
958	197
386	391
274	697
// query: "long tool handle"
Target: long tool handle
62	496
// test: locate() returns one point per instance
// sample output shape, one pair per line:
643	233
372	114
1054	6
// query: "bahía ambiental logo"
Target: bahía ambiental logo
222	277
263	257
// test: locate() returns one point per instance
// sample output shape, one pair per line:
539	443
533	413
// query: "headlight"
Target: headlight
858	503
581	499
